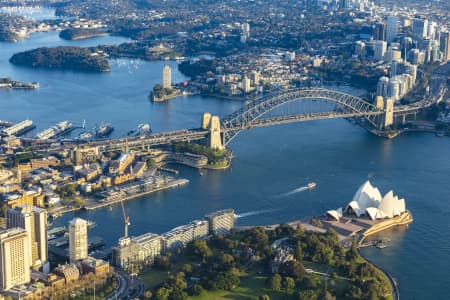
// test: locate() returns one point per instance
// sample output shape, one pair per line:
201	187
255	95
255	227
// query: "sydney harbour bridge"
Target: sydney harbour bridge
287	106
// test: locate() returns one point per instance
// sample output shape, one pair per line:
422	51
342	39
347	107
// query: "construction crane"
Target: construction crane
125	218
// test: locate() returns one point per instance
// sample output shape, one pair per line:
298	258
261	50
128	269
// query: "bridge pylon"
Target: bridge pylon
389	112
212	123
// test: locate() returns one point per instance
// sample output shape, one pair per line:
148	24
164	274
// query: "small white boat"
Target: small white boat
311	185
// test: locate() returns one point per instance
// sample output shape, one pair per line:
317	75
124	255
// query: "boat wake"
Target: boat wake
253	213
294	191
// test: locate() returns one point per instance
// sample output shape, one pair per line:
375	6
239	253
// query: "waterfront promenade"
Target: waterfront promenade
171	184
92	204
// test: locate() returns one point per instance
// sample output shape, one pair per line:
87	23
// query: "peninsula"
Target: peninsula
63	58
80	33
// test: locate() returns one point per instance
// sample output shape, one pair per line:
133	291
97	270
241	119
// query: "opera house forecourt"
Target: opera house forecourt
369	213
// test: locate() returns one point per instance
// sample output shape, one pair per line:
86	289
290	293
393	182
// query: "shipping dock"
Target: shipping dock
59	129
18	129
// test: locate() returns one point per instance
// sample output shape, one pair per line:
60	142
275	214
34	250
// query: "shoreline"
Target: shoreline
402	220
174	183
392	283
93	205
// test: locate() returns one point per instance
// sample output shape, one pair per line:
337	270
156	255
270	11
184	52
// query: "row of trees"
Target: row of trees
213	155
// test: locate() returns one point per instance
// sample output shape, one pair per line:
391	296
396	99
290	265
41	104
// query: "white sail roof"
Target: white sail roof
366	196
391	205
368	200
335	214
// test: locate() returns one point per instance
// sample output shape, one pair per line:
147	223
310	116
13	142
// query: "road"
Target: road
128	287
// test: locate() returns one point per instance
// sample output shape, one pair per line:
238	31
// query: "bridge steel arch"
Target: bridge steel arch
250	114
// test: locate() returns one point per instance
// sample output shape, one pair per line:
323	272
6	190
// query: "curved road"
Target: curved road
128	287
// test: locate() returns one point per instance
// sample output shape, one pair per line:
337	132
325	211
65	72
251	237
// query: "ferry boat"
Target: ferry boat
381	245
103	130
85	135
141	129
311	185
54	131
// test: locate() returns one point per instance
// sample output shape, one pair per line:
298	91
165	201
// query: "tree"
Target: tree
196	290
274	282
157	87
288	283
200	249
293	269
328	296
226	281
187	268
4	208
307	295
162	262
178	294
226	261
162	294
299	232
298	252
179	281
258	236
352	254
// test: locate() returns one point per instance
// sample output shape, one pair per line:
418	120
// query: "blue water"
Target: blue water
269	163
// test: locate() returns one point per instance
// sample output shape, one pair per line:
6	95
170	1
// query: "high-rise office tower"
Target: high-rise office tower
392	28
420	27
379	32
444	45
34	221
14	258
78	240
344	4
380	50
431	30
167	77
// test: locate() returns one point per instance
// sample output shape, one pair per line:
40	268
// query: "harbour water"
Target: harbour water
269	163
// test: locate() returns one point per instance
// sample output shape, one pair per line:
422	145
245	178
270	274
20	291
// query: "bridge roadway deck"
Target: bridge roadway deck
309	117
119	143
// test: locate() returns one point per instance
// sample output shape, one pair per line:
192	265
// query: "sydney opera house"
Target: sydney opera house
368	201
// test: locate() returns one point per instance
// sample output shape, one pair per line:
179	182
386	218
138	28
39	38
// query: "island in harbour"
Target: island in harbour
63	58
159	93
8	83
81	33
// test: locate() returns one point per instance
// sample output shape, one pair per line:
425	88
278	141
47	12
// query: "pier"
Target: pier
172	184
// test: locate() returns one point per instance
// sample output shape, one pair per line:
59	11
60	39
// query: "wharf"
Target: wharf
56	213
168	170
172	184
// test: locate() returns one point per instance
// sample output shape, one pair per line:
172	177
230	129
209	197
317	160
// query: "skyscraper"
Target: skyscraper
379	32
14	258
420	27
167	77
445	45
431	30
344	4
245	27
380	50
78	240
392	28
34	221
